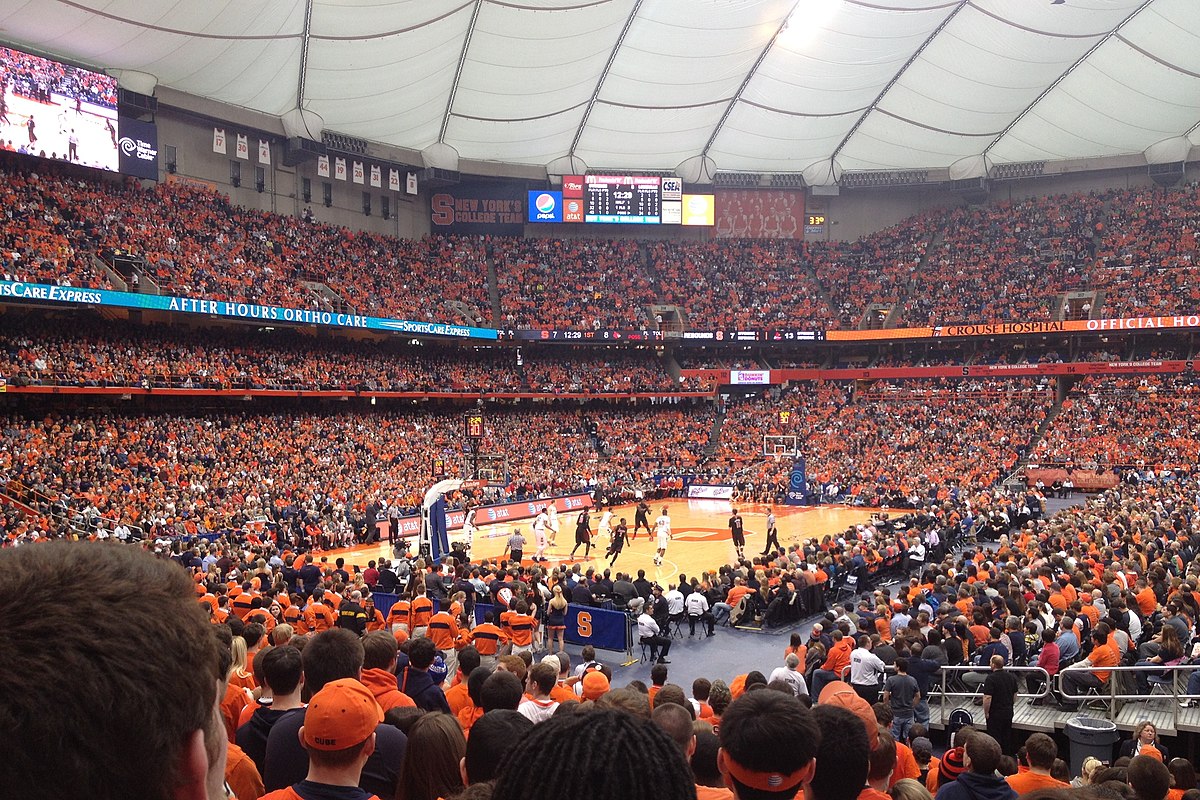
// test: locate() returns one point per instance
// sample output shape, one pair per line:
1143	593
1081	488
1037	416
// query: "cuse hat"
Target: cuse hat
344	713
594	685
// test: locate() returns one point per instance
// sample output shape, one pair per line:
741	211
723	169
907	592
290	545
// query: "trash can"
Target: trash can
1090	736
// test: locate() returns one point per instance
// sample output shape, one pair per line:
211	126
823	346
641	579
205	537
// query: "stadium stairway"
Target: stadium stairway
714	435
896	316
493	285
1051	414
108	272
648	267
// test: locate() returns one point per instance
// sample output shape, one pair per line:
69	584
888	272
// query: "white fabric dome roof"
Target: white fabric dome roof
748	85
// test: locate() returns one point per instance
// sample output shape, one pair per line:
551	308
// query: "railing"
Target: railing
44	504
948	671
1112	698
1108	694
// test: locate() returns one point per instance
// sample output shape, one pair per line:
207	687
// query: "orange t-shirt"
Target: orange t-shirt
1024	782
1104	656
1147	601
906	764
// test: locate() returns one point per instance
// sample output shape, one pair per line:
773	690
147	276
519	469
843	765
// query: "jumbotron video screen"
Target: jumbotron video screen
54	110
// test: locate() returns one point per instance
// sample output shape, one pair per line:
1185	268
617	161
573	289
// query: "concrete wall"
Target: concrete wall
192	138
858	212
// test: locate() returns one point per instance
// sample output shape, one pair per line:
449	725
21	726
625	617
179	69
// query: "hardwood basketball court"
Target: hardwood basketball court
701	536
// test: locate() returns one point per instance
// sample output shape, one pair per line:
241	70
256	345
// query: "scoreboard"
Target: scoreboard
621	200
634	199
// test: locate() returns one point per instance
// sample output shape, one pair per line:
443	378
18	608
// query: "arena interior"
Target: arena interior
653	398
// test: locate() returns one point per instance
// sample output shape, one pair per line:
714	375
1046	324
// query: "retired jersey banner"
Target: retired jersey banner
479	208
264	151
243	146
219	140
323	166
376	176
760	213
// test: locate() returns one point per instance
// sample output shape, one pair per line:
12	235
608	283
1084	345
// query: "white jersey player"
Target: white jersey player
468	530
552	524
662	532
541	527
604	529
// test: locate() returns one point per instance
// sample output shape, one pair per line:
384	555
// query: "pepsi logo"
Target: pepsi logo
544	203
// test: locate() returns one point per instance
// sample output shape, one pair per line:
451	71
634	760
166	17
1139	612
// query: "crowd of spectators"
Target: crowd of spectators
740	283
1146	264
874	269
90	354
889	442
196	243
572	283
997	262
1006	261
445	706
185	474
1121	421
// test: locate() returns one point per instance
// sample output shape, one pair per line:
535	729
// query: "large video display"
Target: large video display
54	110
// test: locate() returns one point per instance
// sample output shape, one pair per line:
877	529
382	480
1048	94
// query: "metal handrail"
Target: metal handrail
1112	697
948	670
44	504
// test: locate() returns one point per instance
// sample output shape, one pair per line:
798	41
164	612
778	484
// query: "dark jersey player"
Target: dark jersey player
738	533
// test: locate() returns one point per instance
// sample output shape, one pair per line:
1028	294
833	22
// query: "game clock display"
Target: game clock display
632	199
473	423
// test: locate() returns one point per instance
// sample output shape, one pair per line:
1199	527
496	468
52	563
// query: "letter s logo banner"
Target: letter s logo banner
585	625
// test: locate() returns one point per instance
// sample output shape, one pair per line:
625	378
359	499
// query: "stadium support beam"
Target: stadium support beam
737	96
1075	65
458	69
896	78
304	40
612	57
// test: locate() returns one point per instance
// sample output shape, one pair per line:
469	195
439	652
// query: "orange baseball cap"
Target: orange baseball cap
840	693
344	713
